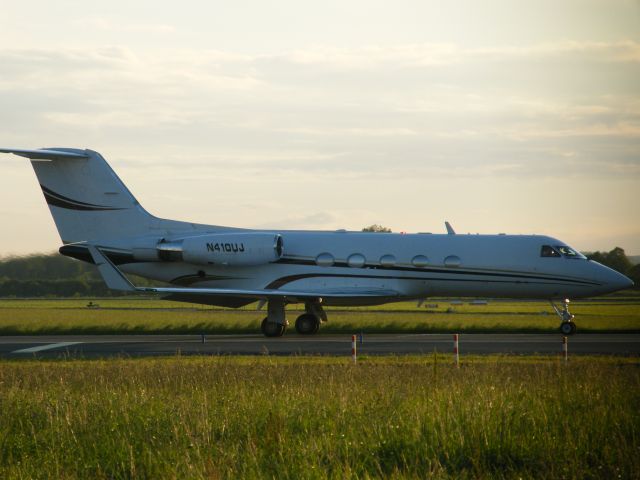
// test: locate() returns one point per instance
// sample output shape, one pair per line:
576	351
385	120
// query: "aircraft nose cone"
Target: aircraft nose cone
610	279
628	282
618	281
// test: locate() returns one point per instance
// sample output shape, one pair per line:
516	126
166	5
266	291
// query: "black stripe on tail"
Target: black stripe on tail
57	200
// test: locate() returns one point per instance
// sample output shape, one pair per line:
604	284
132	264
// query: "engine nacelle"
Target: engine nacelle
231	249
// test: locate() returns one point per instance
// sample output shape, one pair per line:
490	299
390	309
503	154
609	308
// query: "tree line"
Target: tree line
618	260
54	275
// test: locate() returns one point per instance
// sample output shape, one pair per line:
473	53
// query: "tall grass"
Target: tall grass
221	417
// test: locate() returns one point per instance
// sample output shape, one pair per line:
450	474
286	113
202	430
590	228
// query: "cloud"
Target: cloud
443	54
373	112
112	25
316	220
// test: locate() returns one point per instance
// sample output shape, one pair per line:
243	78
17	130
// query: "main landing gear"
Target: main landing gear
568	326
306	324
272	329
275	324
309	322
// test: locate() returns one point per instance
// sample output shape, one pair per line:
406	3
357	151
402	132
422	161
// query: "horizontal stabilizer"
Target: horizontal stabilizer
44	154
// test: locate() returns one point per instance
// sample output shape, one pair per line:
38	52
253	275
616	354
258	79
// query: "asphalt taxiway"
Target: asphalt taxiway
104	346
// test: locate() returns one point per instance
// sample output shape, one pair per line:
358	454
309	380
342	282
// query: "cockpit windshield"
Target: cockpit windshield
569	252
558	251
549	251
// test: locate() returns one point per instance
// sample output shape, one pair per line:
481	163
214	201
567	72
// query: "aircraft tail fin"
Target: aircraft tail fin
86	198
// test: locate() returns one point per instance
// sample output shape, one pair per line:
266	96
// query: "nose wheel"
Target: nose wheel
568	326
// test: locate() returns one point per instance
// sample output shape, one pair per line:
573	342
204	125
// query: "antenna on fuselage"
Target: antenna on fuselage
450	229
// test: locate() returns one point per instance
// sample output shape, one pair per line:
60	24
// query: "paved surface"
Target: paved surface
92	346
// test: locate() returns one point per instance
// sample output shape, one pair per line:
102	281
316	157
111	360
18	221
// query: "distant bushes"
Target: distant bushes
618	260
54	288
53	275
46	267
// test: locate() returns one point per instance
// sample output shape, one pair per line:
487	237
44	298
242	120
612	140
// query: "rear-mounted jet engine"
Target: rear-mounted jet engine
231	249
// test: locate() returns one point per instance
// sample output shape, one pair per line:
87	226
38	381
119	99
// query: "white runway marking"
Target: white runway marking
45	347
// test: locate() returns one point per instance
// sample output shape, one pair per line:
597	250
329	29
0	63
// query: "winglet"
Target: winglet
450	229
113	277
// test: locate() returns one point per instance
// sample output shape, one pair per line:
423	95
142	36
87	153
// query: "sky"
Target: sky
499	116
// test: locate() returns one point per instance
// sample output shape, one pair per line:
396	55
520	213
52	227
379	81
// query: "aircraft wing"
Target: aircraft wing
267	294
43	154
116	280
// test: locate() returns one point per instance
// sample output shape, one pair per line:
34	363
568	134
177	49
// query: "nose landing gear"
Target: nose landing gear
568	326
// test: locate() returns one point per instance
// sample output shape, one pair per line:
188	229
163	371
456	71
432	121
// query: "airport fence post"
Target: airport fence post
455	350
203	338
565	349
353	348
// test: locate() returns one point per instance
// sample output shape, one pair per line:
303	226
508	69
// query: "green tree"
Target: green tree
616	259
55	275
634	274
375	228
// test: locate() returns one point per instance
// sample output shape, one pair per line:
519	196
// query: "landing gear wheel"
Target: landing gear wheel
272	329
568	328
307	324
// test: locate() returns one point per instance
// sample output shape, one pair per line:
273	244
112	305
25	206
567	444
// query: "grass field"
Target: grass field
234	417
131	315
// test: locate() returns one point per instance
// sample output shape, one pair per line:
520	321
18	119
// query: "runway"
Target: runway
104	346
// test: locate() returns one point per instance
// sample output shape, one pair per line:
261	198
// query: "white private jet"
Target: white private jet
101	222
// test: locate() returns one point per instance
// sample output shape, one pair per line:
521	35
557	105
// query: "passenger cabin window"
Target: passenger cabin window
549	251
